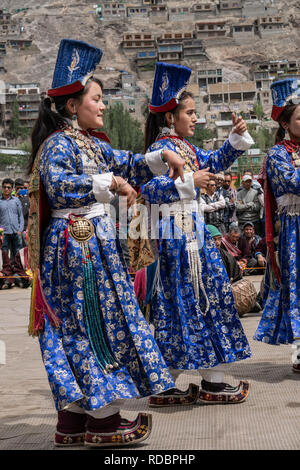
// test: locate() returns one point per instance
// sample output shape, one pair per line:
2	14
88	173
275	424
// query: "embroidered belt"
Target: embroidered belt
88	212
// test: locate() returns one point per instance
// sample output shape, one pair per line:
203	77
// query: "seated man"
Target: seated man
6	279
236	246
251	300
257	247
232	267
22	273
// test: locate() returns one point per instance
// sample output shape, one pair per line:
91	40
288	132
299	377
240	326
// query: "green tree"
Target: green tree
263	138
15	129
123	131
259	110
200	135
14	124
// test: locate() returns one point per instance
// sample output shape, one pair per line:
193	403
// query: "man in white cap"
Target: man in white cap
248	206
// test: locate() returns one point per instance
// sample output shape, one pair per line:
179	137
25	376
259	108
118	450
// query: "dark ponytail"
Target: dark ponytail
284	118
280	134
50	120
153	125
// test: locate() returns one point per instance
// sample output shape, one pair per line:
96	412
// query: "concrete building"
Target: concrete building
208	74
2	48
137	12
145	60
210	29
269	25
170	52
193	49
226	98
233	92
223	128
18	44
134	42
243	30
280	68
158	13
230	7
255	9
175	37
180	13
112	10
7	26
203	10
27	95
2	68
263	80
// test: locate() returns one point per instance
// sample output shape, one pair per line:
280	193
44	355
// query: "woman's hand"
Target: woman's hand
202	177
239	125
123	188
175	163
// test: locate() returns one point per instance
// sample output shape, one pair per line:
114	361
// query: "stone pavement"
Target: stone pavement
269	419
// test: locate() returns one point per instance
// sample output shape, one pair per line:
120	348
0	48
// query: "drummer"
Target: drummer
232	267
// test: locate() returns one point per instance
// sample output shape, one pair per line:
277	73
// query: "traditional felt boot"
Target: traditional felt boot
117	431
70	429
222	393
174	396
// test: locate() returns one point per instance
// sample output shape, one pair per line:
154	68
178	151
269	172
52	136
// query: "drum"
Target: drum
244	294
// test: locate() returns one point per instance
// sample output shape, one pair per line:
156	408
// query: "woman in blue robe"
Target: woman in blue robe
96	345
280	321
196	324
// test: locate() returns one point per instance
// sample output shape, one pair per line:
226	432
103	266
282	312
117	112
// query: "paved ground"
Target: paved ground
269	419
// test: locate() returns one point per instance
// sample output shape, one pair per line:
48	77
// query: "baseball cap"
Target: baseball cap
247	178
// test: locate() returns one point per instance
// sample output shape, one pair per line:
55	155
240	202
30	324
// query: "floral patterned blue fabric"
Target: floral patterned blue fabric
280	321
73	371
191	333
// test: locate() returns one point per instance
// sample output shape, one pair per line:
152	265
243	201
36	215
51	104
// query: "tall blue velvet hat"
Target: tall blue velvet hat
75	64
170	80
283	92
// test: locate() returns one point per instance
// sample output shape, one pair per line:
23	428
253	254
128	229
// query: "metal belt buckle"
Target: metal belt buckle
81	229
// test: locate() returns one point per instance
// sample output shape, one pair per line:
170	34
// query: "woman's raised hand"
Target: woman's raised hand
239	125
202	177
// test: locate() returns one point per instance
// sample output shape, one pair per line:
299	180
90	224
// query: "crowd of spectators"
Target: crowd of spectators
14	210
238	214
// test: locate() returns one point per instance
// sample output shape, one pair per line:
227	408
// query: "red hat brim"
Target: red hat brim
66	90
165	107
276	111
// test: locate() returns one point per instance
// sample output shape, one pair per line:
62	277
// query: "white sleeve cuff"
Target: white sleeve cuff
240	142
186	190
101	185
155	163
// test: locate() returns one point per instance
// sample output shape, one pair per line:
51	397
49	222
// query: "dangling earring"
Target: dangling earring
74	120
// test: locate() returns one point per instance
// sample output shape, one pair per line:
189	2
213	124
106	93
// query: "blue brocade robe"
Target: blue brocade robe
191	333
280	321
73	371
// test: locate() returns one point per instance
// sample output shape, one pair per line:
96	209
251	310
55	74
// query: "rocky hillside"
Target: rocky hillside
47	22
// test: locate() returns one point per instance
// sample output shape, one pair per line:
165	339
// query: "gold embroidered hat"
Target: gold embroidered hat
75	64
170	81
